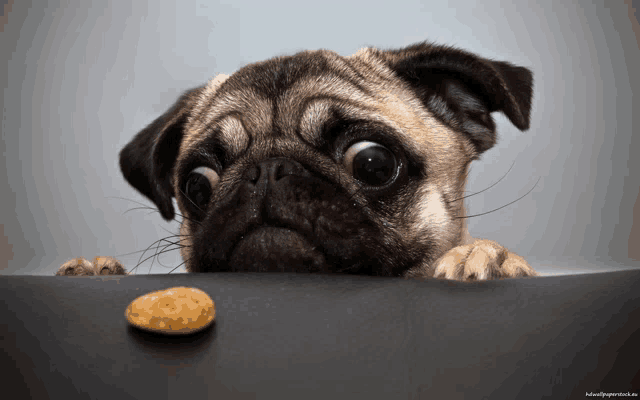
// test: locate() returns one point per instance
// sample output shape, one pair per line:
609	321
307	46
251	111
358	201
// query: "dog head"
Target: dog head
317	162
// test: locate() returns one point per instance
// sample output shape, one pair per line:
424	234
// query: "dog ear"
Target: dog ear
147	161
462	89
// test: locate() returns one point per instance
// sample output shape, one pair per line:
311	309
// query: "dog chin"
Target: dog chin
276	249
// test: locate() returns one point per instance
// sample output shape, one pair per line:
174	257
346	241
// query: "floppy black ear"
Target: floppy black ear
462	89
147	161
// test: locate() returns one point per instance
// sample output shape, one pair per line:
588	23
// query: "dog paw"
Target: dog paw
483	259
100	266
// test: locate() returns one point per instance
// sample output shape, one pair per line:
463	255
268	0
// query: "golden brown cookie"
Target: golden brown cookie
177	310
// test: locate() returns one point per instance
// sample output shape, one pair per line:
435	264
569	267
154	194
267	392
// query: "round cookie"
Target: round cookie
177	310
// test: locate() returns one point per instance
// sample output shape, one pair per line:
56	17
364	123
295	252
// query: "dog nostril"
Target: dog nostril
252	174
285	168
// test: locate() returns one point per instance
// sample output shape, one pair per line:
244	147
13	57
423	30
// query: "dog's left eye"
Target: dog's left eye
199	186
370	163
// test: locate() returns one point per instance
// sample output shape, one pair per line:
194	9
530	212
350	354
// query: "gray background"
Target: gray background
81	78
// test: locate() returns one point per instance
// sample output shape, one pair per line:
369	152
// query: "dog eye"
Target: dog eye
199	186
370	163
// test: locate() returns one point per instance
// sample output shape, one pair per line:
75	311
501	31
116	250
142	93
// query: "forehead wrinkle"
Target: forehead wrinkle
255	109
204	114
233	135
313	118
291	103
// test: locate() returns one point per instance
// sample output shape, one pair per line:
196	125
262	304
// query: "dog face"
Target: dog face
321	163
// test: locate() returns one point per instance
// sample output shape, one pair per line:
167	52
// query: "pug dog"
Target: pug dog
321	163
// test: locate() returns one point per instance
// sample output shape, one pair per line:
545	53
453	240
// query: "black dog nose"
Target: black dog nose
272	170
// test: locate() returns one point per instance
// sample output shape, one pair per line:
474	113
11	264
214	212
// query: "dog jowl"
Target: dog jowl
321	163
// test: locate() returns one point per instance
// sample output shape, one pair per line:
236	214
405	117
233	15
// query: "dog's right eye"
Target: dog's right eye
199	186
371	163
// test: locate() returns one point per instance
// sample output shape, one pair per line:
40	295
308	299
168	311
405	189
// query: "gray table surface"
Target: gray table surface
294	336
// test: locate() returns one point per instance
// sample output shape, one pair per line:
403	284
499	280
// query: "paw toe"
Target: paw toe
451	265
76	267
108	266
515	266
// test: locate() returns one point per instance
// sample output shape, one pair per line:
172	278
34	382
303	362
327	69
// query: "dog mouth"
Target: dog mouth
276	249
